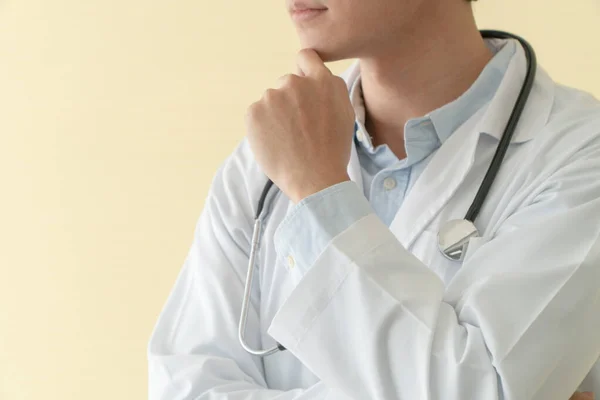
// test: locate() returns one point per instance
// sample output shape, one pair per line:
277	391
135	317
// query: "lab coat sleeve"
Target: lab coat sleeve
519	321
194	351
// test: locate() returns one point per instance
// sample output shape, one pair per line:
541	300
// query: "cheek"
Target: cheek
371	20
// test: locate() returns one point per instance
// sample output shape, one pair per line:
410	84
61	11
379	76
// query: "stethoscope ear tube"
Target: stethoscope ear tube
256	234
263	198
511	125
248	288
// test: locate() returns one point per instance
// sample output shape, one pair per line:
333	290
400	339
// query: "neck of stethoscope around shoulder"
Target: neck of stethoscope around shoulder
454	236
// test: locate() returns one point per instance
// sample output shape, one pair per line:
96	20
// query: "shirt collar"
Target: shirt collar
357	101
449	117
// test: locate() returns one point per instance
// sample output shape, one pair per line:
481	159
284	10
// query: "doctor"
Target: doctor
349	276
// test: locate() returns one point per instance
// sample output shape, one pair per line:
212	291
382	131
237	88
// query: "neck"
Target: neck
429	66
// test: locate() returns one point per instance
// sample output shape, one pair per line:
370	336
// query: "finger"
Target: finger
286	80
281	81
310	64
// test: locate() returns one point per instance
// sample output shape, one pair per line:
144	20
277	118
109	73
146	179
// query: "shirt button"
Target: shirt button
360	135
291	261
389	183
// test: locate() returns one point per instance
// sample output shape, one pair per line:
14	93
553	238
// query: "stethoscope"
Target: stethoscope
454	236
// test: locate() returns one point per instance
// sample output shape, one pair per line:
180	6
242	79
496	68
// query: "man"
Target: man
350	278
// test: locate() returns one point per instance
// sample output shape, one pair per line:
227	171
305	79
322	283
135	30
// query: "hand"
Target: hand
301	133
582	396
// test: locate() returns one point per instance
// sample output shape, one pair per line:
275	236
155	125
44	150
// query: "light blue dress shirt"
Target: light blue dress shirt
386	179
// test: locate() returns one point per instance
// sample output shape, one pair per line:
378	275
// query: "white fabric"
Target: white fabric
382	314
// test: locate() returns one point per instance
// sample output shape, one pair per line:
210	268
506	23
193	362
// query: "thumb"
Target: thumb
311	64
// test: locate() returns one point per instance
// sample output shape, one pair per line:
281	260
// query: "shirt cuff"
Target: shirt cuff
316	220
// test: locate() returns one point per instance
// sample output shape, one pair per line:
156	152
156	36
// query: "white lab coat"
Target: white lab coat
382	314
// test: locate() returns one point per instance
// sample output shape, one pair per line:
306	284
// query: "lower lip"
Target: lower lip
305	15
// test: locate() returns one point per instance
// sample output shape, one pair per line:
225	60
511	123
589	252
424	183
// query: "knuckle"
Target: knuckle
252	110
293	80
290	80
269	95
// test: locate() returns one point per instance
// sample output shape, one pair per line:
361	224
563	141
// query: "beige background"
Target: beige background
114	115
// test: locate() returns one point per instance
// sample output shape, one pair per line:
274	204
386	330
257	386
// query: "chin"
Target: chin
329	52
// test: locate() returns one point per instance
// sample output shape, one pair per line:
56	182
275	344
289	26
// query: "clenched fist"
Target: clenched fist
301	132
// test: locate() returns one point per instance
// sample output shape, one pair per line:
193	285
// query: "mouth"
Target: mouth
305	14
304	10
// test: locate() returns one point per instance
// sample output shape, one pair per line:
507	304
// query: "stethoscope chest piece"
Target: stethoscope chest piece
454	236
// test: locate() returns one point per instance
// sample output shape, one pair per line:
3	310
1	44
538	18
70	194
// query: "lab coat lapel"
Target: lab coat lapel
437	183
450	165
452	162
